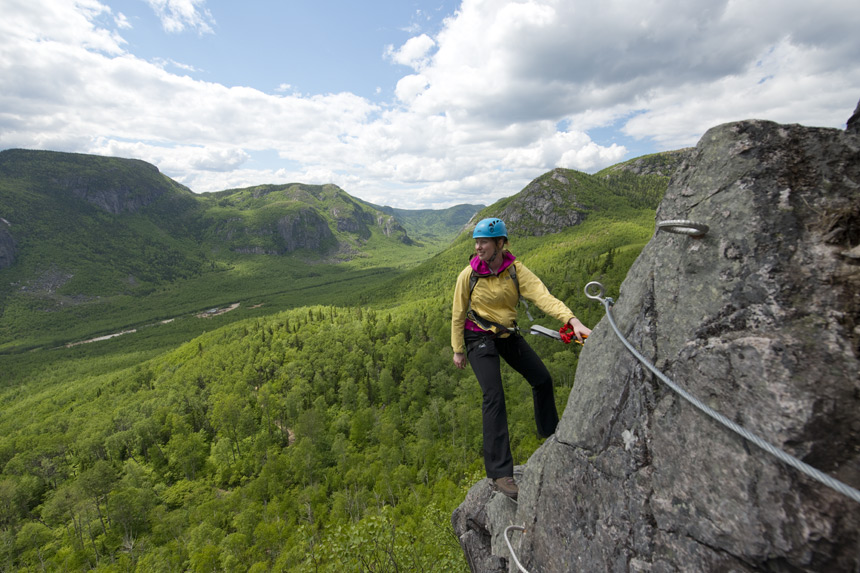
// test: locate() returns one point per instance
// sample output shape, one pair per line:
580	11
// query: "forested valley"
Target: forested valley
317	438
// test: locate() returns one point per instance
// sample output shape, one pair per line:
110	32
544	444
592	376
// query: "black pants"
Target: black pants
484	353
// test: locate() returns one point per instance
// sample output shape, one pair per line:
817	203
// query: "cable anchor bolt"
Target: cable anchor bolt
684	227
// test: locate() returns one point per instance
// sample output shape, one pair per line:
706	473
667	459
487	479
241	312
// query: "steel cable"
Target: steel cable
740	430
764	445
510	547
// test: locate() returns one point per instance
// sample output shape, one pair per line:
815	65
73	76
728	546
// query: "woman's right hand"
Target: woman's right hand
460	360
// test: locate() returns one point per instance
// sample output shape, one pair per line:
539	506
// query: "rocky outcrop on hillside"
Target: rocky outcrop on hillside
114	194
356	220
8	245
352	221
113	184
547	205
116	200
760	319
304	229
391	227
300	228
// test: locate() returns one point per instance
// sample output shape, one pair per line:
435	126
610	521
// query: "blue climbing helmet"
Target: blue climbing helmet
490	228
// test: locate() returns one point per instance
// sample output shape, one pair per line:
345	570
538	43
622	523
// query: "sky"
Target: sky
414	104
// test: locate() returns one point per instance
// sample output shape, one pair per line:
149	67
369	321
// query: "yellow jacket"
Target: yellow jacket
495	299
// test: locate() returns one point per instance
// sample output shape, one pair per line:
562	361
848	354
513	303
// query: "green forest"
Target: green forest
298	436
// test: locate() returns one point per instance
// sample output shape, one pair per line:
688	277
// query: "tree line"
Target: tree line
317	439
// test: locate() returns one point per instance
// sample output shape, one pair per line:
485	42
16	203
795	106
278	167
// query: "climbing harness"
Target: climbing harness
764	445
488	324
683	227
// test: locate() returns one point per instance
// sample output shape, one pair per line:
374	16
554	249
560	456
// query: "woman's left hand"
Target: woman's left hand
579	330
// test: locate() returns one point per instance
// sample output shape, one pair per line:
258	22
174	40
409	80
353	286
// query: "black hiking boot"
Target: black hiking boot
507	486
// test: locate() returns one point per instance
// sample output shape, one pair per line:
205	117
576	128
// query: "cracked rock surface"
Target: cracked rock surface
759	319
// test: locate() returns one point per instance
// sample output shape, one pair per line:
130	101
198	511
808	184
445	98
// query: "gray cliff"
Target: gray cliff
760	319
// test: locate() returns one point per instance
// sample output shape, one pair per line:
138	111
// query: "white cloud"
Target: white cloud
178	15
505	92
122	22
166	63
784	84
535	60
61	23
410	87
414	53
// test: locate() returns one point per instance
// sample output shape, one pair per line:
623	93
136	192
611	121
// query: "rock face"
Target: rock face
119	186
113	199
546	206
759	319
392	228
305	229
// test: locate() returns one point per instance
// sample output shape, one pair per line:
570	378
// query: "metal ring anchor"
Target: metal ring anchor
683	227
589	288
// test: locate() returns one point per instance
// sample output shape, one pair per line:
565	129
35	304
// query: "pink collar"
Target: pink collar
483	269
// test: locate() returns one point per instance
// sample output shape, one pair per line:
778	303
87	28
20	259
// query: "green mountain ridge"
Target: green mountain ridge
430	224
280	219
83	236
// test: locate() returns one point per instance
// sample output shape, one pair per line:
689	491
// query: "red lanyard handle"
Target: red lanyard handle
568	336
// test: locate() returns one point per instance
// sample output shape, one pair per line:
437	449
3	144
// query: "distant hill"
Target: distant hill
662	164
565	197
79	233
432	224
112	184
103	224
282	219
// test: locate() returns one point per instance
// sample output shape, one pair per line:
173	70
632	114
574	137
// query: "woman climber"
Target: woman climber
483	328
